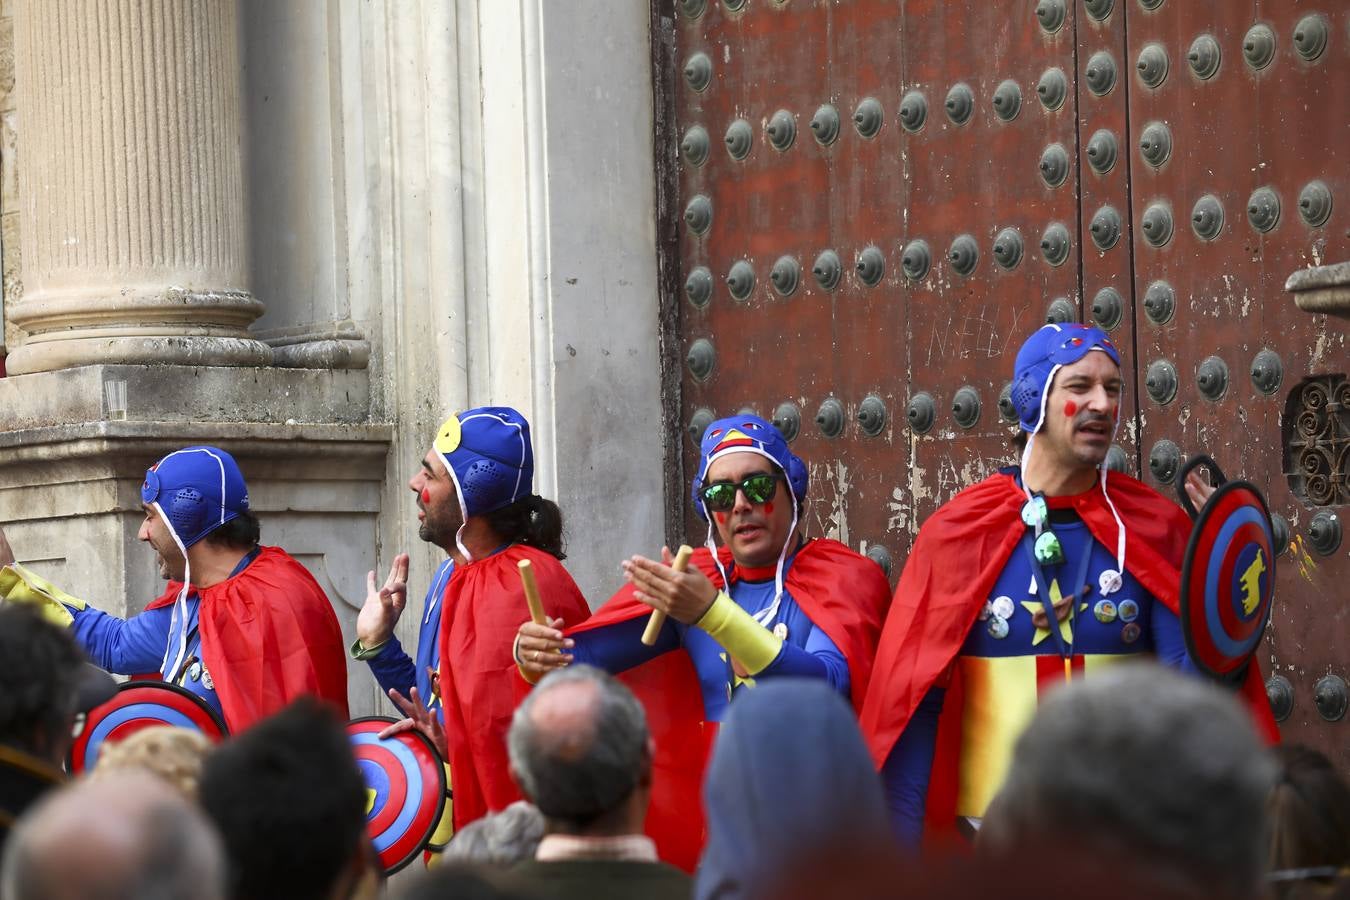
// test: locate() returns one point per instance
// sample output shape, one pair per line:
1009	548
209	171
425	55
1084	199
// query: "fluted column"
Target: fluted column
130	186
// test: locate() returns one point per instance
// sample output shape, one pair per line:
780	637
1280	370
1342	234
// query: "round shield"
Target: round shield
137	705
1228	580
405	789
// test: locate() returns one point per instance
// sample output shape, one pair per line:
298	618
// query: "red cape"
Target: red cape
959	554
269	635
844	594
483	606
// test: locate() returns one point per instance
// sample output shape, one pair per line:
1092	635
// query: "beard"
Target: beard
438	529
169	571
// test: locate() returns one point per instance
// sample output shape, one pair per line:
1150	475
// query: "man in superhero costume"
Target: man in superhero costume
244	627
768	604
971	641
475	500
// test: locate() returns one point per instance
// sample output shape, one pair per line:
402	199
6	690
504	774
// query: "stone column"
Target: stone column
130	186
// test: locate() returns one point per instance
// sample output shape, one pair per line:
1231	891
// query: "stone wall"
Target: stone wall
443	206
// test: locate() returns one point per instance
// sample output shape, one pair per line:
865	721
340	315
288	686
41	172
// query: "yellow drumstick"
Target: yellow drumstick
658	618
532	593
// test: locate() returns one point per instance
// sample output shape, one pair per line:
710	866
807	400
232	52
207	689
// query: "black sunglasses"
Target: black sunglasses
758	488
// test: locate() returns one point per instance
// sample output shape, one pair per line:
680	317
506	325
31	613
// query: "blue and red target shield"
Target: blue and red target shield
137	705
1228	580
405	789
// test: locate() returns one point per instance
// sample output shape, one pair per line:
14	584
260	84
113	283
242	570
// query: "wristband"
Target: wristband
363	653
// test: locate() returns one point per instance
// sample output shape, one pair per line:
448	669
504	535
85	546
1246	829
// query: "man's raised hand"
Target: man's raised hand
380	613
684	596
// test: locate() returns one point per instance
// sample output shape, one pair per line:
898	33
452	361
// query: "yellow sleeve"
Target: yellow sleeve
18	585
740	635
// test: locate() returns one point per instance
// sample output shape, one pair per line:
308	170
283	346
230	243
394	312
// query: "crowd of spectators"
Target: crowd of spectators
1136	782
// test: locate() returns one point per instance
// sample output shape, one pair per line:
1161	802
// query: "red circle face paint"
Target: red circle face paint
426	496
721	518
1070	409
768	507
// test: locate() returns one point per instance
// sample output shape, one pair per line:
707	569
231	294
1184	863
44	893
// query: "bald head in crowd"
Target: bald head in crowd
128	836
580	750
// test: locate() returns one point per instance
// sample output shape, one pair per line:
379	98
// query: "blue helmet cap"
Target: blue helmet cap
197	490
1049	348
748	434
488	454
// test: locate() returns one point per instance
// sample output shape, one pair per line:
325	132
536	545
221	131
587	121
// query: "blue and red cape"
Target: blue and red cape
268	635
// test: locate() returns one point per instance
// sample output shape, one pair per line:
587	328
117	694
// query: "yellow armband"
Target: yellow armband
740	635
18	585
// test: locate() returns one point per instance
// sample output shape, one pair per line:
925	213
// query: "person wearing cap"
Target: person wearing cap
1040	574
767	604
476	501
244	627
45	682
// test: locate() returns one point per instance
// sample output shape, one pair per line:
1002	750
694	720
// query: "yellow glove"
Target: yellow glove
740	635
18	585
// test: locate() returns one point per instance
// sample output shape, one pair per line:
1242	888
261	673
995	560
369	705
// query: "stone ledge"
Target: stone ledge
164	395
1324	289
97	467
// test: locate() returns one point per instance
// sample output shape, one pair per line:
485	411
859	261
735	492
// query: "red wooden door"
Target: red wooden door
881	199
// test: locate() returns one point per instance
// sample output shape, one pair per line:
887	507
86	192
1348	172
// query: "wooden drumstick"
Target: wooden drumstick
532	593
658	618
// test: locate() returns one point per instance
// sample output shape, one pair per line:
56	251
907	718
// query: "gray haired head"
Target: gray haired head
578	745
1142	763
498	839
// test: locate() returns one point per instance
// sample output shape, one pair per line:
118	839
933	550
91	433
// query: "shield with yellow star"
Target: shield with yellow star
405	789
1228	580
137	705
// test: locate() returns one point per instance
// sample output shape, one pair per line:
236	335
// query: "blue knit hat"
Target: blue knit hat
488	455
748	434
751	434
196	490
1049	349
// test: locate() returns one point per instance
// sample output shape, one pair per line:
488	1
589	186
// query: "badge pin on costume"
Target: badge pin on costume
998	628
780	631
1003	607
1129	610
1105	611
1109	582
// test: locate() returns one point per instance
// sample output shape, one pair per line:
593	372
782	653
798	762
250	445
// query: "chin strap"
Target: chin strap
178	620
766	615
